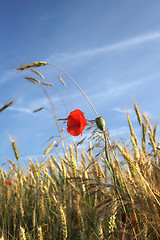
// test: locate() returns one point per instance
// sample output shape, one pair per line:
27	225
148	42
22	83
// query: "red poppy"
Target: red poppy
8	182
132	219
76	123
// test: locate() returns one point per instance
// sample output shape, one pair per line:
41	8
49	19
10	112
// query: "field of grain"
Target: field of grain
114	194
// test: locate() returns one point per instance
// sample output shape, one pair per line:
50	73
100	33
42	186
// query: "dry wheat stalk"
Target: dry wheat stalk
144	135
148	123
32	166
21	207
112	219
48	198
51	179
56	163
63	164
83	162
99	230
142	163
49	148
82	231
94	168
37	110
152	142
138	114
63	223
32	65
41	201
64	84
100	173
40	235
11	168
136	150
148	187
131	129
33	80
2	237
2	176
90	149
14	146
73	162
128	158
88	157
22	234
6	106
32	176
38	73
34	217
13	164
48	84
51	168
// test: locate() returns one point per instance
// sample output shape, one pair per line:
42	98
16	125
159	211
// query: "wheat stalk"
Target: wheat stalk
14	146
6	106
139	117
38	73
48	84
32	65
49	148
33	80
73	162
40	235
22	234
131	130
64	84
63	223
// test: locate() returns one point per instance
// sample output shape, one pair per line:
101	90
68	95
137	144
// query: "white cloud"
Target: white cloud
117	90
7	75
32	156
112	47
38	103
120	110
81	55
31	106
20	109
118	132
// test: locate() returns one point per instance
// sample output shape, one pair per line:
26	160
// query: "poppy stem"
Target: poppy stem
92	125
76	85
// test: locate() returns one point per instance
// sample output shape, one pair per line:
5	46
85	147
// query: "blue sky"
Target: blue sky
110	48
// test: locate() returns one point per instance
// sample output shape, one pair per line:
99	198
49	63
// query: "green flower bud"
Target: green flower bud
100	123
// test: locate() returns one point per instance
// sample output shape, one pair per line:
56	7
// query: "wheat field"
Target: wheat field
113	194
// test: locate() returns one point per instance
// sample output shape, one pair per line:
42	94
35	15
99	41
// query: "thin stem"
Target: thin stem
76	85
92	125
47	93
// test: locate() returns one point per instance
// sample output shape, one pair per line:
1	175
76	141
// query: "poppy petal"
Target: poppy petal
76	123
8	182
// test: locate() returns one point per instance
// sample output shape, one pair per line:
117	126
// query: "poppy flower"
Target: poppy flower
8	182
132	219
76	123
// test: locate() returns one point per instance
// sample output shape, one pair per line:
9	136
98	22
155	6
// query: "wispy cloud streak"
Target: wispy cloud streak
120	45
117	90
112	47
118	132
91	52
7	75
22	109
